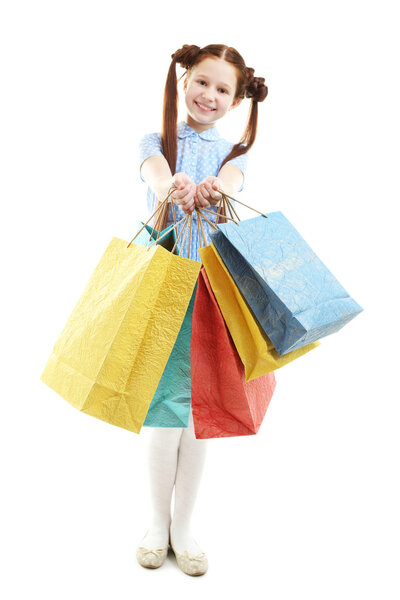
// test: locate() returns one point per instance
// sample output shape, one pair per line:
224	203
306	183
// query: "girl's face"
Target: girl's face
209	92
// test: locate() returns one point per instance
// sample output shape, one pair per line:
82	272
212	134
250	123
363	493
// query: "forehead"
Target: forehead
217	69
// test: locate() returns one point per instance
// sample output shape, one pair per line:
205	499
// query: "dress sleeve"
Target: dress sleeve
241	162
150	145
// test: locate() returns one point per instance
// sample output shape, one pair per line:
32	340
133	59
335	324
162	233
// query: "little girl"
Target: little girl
216	81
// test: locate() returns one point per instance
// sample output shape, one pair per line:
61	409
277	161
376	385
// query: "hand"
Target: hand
184	195
207	192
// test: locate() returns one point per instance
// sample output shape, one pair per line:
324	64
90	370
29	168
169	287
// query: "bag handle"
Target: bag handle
188	219
226	206
160	207
226	199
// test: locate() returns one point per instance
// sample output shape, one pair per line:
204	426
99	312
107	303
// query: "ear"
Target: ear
235	103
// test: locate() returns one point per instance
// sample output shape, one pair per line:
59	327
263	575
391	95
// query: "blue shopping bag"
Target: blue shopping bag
294	297
170	405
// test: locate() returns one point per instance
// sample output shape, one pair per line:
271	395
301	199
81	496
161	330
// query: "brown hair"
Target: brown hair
248	86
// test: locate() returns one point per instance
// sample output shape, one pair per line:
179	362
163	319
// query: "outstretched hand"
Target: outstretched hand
184	195
207	192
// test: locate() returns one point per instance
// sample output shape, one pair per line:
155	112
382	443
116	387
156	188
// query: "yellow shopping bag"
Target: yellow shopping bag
255	349
113	350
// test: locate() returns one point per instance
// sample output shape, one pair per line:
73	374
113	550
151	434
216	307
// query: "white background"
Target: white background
308	507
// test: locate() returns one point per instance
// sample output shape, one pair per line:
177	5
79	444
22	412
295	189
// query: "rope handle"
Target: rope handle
188	219
227	199
161	207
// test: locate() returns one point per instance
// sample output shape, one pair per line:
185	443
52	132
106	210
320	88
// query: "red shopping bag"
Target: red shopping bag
223	403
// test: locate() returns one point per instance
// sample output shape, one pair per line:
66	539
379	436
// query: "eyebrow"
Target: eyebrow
223	84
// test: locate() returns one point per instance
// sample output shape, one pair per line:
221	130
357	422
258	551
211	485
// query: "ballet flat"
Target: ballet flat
151	558
191	565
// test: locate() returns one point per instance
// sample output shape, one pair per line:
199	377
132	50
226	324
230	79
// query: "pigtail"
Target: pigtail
254	88
185	56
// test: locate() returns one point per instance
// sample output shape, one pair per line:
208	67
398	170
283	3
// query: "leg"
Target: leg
191	460
162	455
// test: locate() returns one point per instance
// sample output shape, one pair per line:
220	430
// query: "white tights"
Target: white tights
174	457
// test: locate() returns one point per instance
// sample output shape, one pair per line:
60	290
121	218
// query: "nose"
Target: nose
208	95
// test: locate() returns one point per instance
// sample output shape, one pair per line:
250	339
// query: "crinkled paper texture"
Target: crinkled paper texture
254	347
291	293
223	403
170	406
112	352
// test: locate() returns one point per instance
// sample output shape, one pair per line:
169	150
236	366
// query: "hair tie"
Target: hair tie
256	88
186	55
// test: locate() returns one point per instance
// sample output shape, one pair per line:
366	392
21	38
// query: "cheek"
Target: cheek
225	102
192	93
189	96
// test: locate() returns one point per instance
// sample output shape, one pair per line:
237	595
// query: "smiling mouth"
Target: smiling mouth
203	107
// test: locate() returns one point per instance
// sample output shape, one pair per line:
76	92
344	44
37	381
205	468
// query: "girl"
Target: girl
193	158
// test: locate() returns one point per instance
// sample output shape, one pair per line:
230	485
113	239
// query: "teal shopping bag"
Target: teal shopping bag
148	235
170	406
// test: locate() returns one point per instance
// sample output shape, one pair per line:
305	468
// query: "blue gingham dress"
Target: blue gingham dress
199	155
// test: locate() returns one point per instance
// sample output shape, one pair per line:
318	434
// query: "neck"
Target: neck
198	127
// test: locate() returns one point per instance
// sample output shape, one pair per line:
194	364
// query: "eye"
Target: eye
202	81
224	91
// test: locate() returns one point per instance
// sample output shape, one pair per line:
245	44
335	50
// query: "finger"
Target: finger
212	192
200	193
207	195
209	189
216	186
205	192
199	202
184	195
202	200
180	193
188	207
189	198
181	180
187	204
178	183
214	195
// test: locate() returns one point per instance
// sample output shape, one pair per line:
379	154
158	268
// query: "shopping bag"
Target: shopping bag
255	349
170	406
112	352
292	294
223	403
147	234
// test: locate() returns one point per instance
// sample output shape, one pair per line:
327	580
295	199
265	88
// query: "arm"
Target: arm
156	172
231	178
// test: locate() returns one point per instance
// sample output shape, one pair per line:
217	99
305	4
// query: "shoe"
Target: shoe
191	565
151	558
